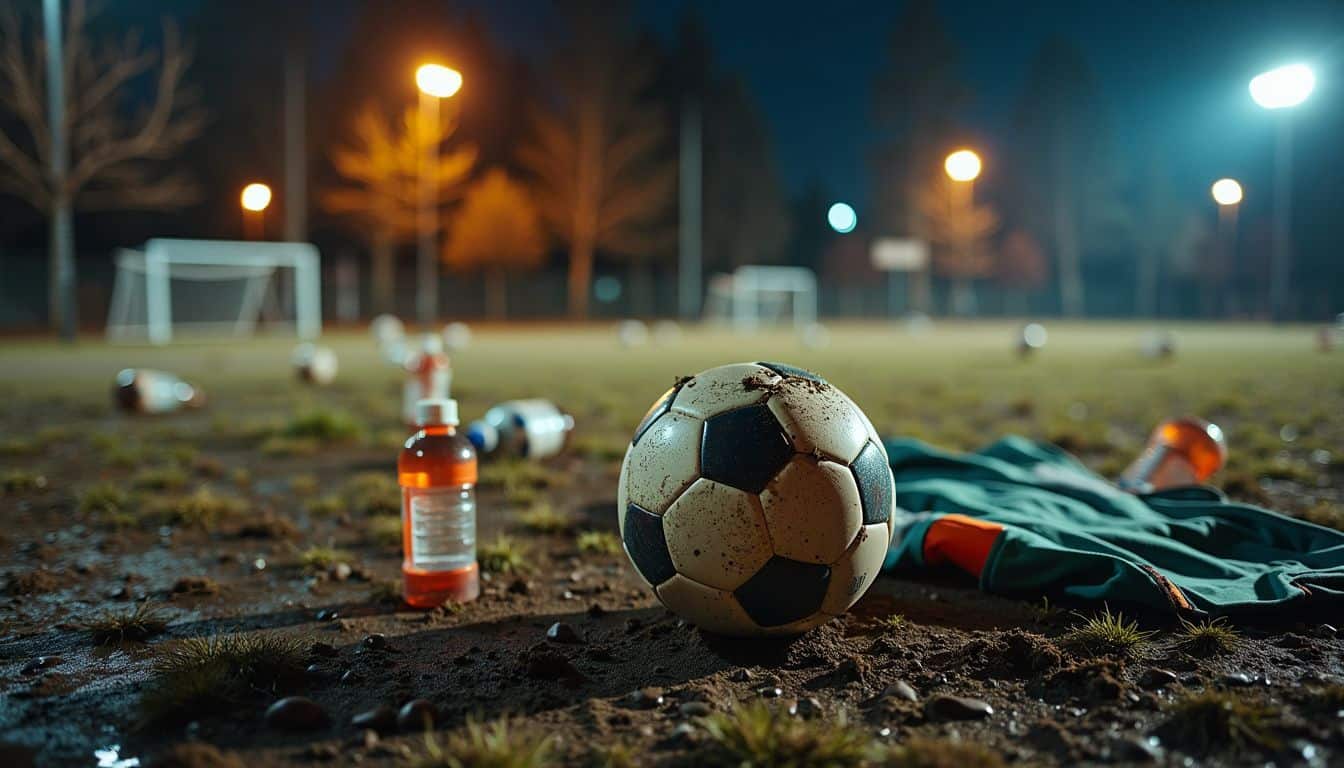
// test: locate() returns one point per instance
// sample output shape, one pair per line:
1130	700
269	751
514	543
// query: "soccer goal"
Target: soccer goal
756	295
214	287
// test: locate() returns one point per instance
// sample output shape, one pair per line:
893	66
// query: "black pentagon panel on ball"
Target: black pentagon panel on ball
744	448
659	407
875	485
784	369
784	591
644	540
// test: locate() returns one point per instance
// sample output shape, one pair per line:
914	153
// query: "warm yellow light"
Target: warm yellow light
1226	192
256	197
437	80
962	165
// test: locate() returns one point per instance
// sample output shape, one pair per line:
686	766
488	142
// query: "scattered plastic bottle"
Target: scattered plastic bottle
142	390
315	364
1030	338
429	376
437	474
1185	451
528	429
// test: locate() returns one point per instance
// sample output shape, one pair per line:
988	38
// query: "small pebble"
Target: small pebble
562	632
695	709
382	719
417	715
328	614
900	690
341	571
943	707
1156	678
41	663
808	708
742	675
376	641
645	698
770	692
296	713
1237	680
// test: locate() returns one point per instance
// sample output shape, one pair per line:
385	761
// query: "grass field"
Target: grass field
170	577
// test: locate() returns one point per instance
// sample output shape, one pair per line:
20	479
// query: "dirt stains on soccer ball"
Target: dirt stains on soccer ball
755	499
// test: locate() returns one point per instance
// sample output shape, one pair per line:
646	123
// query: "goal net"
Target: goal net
214	287
759	295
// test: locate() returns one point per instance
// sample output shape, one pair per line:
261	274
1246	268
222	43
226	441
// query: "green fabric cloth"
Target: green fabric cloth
1070	534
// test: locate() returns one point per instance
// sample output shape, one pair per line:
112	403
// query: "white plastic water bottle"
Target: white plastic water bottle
529	429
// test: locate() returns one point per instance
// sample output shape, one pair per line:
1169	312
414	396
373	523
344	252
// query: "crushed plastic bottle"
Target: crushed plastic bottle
528	429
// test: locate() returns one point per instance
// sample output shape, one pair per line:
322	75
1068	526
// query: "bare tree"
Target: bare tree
496	231
962	228
115	157
602	178
381	193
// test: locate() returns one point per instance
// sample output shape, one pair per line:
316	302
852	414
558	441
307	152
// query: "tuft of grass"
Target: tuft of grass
241	477
605	448
279	446
109	503
503	554
202	509
1213	721
373	493
893	622
20	481
496	744
326	506
757	734
137	625
303	485
207	676
1208	637
1108	634
1328	700
316	559
385	591
159	479
921	752
18	446
616	755
1326	514
384	530
599	542
323	425
541	517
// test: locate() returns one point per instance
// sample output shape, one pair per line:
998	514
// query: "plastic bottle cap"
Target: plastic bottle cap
436	411
483	436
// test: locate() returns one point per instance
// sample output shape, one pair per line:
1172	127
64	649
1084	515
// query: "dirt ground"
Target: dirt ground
271	513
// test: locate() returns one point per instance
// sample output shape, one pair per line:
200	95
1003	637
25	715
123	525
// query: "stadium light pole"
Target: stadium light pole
255	199
436	82
1227	194
1282	89
963	168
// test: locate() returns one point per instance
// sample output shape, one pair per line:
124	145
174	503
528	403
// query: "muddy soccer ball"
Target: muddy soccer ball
756	499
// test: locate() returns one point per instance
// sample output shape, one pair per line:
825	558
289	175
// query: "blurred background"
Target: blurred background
620	159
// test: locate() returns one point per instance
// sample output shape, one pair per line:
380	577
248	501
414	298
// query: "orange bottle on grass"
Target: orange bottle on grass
437	474
1185	451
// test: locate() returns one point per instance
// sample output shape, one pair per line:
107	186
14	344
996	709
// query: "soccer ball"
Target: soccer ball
756	499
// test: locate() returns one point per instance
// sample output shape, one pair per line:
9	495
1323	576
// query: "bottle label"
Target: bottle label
443	527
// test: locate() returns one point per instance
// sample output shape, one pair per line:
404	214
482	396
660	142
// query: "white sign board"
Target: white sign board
899	254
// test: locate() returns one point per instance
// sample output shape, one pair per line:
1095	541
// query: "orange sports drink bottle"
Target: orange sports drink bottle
1185	451
437	474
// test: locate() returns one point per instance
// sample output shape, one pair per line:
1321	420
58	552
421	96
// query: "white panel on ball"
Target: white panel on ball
716	534
714	610
819	418
856	570
813	510
722	389
664	462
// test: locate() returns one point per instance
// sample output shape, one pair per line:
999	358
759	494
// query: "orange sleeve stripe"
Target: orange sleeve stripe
962	541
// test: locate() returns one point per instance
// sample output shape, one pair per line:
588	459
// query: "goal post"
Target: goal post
752	294
217	286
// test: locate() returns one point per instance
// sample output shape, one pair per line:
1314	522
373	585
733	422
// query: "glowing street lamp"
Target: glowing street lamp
1226	192
436	82
255	198
842	218
1280	89
962	165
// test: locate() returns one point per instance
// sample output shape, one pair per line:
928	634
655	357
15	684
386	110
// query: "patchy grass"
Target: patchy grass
757	734
159	479
541	517
269	527
22	481
618	755
18	446
241	477
330	505
1326	514
202	509
109	504
1108	634
303	485
1328	700
384	531
317	559
279	446
373	493
1208	637
893	622
207	676
326	426
137	625
503	554
1213	721
603	447
920	752
385	591
497	744
599	542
